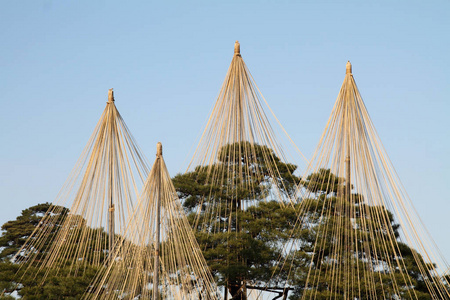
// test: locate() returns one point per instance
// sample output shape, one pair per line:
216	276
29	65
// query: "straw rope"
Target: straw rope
100	192
158	249
240	160
357	250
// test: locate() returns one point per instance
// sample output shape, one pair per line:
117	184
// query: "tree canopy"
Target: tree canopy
28	279
244	249
241	225
342	250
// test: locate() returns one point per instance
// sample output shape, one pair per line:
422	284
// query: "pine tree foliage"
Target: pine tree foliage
363	267
25	278
244	248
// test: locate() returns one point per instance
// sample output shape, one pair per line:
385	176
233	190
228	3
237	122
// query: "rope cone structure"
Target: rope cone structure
238	135
240	164
100	192
158	256
358	235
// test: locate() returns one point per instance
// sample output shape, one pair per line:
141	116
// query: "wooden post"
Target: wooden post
347	159
158	222
111	208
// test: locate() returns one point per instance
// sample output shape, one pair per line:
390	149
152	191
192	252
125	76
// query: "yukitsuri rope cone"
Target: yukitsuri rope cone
158	249
358	235
240	167
100	193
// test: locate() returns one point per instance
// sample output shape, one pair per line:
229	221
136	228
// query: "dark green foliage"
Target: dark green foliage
15	233
240	235
246	246
245	172
363	233
323	182
61	282
58	284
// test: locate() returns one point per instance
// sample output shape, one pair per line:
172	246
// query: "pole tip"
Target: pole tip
348	68
159	149
110	96
237	48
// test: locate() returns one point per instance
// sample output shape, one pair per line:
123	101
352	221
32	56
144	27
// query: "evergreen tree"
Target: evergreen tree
342	250
25	279
240	227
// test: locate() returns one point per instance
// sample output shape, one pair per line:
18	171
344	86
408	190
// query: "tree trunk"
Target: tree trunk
237	291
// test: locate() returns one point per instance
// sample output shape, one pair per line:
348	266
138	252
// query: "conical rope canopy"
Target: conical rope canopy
358	235
239	152
242	170
158	249
100	192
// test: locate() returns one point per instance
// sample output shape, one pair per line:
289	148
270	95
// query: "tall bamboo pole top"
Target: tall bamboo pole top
159	149
237	48
110	96
348	68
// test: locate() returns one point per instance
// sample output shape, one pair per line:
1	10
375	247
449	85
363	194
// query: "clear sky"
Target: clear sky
166	61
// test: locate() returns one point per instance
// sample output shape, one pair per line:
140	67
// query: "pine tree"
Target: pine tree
25	278
243	248
339	241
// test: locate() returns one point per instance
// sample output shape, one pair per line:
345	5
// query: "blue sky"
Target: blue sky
166	61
